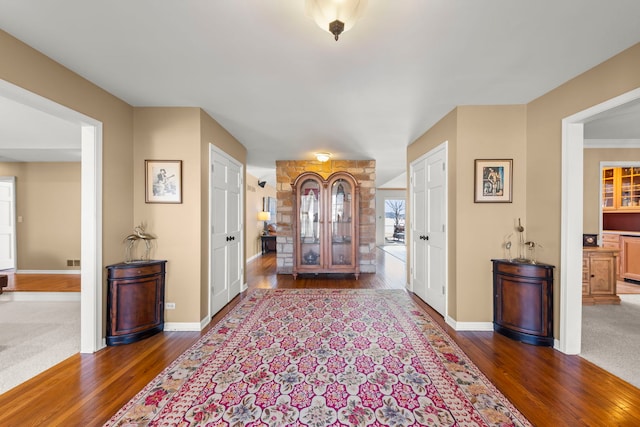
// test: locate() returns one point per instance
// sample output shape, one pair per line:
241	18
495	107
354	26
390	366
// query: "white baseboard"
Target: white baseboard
182	327
48	271
470	326
259	254
40	296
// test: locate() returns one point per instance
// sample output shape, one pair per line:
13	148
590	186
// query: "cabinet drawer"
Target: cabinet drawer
133	270
611	238
528	270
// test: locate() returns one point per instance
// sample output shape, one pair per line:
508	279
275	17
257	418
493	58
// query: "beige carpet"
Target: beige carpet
611	337
35	336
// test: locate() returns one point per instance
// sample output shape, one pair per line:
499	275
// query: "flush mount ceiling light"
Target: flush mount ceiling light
323	157
335	16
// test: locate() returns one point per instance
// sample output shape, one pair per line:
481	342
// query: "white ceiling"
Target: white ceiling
286	89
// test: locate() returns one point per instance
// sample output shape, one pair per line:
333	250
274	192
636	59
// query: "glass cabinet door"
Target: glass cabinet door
630	188
341	227
608	194
309	222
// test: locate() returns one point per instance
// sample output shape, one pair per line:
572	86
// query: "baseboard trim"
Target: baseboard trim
40	296
182	327
470	326
48	271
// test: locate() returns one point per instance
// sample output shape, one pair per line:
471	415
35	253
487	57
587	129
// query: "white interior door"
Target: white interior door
226	229
436	223
7	222
428	228
418	229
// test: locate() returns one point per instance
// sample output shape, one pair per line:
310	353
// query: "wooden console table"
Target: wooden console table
135	301
523	301
268	243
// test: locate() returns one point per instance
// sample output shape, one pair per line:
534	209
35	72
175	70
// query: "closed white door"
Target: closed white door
419	229
226	229
7	223
436	223
429	236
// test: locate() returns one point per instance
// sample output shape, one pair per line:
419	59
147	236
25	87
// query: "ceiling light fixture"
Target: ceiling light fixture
323	157
335	16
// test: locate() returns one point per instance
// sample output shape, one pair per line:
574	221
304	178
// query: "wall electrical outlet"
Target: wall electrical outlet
170	305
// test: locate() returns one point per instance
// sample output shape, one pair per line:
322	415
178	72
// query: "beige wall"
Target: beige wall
592	177
180	133
254	228
172	134
477	132
531	135
612	78
48	201
27	68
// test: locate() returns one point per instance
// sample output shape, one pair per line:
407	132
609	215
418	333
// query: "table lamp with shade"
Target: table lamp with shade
264	216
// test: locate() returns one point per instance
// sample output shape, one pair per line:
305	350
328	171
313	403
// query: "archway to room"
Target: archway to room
90	130
572	220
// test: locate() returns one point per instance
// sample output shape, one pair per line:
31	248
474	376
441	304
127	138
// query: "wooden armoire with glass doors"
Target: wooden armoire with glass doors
325	224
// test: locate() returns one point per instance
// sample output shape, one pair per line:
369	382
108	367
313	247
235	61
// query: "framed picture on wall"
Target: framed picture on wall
163	181
493	180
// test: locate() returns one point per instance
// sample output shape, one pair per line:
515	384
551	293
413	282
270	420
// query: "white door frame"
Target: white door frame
571	221
91	330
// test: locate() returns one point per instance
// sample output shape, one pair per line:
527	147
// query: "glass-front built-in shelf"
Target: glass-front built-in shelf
621	188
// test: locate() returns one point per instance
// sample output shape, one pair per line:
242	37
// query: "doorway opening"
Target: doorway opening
91	335
572	221
394	221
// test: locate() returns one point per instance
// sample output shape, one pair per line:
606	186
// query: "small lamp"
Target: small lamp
264	216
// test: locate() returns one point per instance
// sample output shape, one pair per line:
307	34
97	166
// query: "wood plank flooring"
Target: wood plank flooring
548	387
41	282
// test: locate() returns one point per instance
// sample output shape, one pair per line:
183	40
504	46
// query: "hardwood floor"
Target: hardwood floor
41	282
627	287
548	387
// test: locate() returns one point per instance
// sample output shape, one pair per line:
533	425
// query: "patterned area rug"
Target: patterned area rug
322	358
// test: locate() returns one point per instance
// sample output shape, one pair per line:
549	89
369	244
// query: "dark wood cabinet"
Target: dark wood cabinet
135	301
523	301
326	224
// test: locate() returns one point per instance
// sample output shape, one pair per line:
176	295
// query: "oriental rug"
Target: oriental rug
322	358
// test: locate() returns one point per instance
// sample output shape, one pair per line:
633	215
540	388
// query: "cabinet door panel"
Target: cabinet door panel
138	303
630	257
601	280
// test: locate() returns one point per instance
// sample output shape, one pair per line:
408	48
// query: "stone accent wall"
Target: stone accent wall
364	171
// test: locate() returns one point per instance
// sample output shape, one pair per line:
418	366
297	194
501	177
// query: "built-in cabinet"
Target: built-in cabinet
612	241
325	224
627	264
621	189
599	276
630	257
